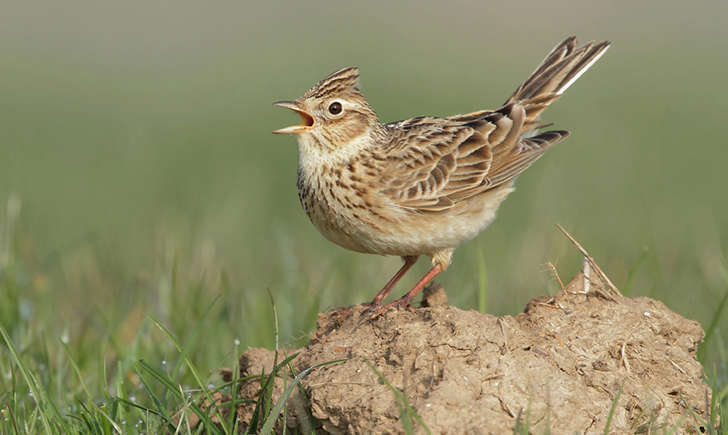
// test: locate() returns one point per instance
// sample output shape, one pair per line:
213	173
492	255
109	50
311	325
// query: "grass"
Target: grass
164	402
146	210
608	424
53	384
407	413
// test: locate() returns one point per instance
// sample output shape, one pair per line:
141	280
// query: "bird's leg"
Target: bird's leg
440	261
405	300
409	261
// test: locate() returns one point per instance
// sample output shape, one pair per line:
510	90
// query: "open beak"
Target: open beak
306	118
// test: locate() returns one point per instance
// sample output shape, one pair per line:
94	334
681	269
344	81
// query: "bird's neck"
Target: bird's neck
313	154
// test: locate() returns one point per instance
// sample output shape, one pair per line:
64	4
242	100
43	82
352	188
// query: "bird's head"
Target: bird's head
334	113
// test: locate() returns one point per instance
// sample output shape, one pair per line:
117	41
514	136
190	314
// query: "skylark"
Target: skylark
424	185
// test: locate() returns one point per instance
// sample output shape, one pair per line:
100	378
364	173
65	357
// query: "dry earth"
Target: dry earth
559	365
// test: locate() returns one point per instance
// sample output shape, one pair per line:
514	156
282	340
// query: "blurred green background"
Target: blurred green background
139	177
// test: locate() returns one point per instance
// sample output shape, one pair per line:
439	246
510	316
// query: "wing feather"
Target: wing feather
529	151
434	163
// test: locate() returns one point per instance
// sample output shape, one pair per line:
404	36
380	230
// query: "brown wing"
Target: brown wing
434	163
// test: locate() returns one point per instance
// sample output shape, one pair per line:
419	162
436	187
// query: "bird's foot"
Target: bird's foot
339	314
376	310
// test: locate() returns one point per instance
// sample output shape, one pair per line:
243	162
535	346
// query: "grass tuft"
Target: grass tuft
45	408
407	413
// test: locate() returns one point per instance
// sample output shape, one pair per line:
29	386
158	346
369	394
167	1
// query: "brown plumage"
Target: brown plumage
426	184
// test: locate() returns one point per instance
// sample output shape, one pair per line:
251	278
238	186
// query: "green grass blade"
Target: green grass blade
143	408
39	395
195	374
611	411
150	392
234	385
528	411
267	385
723	393
12	417
305	420
159	377
408	410
711	329
267	394
76	369
204	418
265	397
520	428
275	412
700	425
675	427
90	422
275	318
193	339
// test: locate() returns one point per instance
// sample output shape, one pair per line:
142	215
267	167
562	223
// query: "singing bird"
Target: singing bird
424	185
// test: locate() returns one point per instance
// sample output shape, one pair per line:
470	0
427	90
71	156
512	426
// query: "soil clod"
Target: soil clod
558	365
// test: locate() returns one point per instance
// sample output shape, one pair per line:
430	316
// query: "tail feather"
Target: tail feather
516	145
559	70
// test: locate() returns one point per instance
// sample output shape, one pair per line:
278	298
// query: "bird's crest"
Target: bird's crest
340	82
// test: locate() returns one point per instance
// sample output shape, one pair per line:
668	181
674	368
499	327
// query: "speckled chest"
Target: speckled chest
325	194
339	203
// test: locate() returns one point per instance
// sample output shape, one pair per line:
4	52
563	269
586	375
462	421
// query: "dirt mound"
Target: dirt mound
560	365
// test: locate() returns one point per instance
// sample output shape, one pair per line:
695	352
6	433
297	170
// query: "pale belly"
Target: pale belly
406	233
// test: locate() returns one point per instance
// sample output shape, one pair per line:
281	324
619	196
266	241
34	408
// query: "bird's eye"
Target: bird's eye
335	108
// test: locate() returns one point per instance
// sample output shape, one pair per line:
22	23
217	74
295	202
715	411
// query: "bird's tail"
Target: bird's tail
559	70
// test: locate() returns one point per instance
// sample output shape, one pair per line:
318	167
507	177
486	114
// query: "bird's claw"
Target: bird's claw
376	310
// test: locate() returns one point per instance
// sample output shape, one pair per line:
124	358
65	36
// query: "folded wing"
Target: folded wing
434	163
